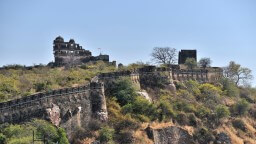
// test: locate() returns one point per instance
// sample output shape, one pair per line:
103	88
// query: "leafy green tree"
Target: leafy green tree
238	74
190	63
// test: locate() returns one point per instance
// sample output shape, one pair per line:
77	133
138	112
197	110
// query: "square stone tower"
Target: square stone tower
184	54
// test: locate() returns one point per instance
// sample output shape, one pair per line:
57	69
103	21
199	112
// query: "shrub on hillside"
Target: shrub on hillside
239	124
179	85
184	106
62	139
2	139
94	125
202	112
203	136
126	123
106	134
182	118
192	119
210	95
222	111
144	107
208	91
193	87
252	112
123	91
229	87
125	137
241	107
246	94
165	111
186	95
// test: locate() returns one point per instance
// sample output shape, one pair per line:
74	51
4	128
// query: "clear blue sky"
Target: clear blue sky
127	30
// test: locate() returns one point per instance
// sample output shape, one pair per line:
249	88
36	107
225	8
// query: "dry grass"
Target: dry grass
88	140
141	137
157	125
232	133
237	136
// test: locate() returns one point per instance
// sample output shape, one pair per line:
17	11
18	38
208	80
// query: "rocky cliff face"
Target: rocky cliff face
170	135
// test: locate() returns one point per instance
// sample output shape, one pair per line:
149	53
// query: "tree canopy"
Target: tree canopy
164	55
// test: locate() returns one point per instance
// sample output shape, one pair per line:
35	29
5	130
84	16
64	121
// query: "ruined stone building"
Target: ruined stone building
71	53
184	54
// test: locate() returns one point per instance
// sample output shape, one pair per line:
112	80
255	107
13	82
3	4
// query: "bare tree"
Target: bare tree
164	55
238	74
205	62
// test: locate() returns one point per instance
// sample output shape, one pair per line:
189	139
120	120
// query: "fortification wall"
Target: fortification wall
68	108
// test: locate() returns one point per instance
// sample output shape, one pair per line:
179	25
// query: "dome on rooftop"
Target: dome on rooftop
71	41
59	39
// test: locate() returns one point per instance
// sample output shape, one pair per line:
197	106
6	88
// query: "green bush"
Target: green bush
2	139
44	128
184	106
184	94
62	136
222	111
106	134
165	111
123	90
22	134
203	112
229	88
241	107
193	87
209	91
144	107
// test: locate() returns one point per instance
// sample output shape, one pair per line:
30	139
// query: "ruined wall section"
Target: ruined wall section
201	75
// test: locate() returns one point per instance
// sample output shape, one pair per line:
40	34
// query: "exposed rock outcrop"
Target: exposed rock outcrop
170	135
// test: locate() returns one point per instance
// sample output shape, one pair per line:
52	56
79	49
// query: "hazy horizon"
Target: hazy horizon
128	30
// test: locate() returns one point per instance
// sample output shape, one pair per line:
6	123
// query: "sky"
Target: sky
128	30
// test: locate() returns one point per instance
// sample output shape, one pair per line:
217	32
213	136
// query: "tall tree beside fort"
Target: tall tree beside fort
238	74
164	55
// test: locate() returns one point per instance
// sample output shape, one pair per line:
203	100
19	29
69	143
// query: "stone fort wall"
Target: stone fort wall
68	108
76	106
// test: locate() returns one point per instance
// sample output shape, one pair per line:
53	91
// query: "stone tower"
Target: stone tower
184	54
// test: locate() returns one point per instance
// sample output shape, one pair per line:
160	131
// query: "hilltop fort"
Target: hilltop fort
71	53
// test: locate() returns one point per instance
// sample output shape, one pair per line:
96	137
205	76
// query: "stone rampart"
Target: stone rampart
68	108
